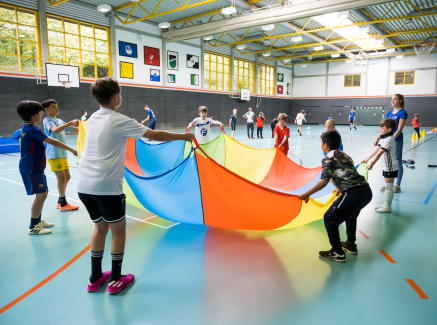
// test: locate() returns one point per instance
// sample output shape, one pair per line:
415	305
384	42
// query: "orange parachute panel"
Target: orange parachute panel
131	158
230	201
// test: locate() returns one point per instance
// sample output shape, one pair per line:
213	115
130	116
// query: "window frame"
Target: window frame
228	73
237	75
404	76
352	80
80	35
260	79
18	40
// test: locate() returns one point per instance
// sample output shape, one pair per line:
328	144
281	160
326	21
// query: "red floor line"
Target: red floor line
46	280
417	289
364	235
387	256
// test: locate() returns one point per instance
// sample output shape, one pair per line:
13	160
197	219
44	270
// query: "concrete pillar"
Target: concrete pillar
202	63
256	75
164	63
275	90
112	30
43	32
232	66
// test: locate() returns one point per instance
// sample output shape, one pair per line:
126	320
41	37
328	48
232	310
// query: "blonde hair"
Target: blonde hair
303	112
282	117
331	121
203	109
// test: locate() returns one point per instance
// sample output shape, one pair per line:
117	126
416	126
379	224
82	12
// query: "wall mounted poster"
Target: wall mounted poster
127	49
288	89
192	61
126	70
172	60
280	89
151	56
155	75
194	80
280	77
171	78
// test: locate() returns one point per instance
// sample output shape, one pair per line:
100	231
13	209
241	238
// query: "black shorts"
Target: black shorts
109	208
393	174
233	127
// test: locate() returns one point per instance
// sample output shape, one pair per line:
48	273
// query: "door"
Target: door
371	115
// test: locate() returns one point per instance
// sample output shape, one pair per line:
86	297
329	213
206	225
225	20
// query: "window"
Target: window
81	44
217	71
266	79
19	42
404	78
244	74
352	80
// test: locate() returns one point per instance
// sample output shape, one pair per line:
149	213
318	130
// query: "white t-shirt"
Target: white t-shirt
249	115
203	129
389	160
299	118
101	166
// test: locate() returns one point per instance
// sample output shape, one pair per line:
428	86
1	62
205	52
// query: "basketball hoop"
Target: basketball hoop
66	84
423	50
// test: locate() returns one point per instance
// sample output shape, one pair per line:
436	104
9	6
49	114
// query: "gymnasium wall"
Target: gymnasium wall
173	108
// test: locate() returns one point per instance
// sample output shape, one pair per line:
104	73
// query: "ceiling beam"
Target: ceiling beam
265	17
56	2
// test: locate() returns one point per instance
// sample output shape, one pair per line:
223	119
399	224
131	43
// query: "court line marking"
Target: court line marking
387	256
46	280
363	234
428	198
9	173
6	170
417	289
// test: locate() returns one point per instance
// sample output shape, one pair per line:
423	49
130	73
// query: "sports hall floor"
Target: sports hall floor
204	275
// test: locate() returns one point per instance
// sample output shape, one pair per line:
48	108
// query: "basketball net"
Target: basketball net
66	84
423	50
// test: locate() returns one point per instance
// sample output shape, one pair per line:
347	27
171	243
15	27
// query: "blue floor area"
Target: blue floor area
205	275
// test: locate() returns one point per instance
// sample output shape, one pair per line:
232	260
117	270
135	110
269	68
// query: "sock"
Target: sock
96	266
117	261
33	222
62	201
39	218
389	195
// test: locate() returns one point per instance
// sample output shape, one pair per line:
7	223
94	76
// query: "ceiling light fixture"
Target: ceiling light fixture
343	14
392	50
286	60
104	8
335	55
318	48
348	61
164	25
399	57
268	27
229	11
266	54
364	30
208	38
304	66
241	46
296	39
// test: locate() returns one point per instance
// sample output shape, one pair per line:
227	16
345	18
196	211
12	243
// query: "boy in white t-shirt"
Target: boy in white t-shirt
203	126
300	117
100	179
387	149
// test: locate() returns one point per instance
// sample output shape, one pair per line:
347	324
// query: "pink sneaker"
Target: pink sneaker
117	286
93	287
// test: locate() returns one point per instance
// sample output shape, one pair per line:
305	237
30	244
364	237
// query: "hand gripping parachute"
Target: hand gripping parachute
223	184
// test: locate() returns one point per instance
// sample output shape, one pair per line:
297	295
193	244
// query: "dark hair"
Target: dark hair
389	123
84	111
416	115
401	98
28	108
330	114
332	139
46	103
282	117
104	89
203	109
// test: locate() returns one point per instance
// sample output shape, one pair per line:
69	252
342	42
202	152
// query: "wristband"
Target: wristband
372	162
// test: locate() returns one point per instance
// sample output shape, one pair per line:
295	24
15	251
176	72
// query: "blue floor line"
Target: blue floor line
426	200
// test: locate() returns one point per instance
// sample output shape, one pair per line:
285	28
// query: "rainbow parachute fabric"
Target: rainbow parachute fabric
222	183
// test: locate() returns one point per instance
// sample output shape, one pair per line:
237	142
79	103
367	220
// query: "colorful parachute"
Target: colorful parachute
226	185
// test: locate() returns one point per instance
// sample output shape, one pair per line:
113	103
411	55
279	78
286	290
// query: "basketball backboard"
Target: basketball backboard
58	75
245	94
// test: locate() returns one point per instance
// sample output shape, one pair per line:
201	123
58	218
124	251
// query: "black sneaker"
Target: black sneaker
333	255
351	248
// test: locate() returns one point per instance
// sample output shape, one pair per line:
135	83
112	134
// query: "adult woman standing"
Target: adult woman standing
400	116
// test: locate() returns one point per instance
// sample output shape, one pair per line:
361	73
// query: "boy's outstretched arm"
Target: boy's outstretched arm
145	120
61	128
167	136
374	151
190	125
378	155
319	186
59	144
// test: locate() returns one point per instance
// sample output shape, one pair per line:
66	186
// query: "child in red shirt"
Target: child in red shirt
416	124
282	133
259	125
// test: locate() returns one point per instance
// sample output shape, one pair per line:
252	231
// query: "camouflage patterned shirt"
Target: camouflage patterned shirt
339	167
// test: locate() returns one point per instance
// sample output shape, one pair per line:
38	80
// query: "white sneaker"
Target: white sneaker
39	230
46	224
396	189
384	209
383	188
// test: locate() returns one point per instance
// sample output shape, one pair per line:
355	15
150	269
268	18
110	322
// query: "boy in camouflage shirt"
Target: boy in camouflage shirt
356	194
